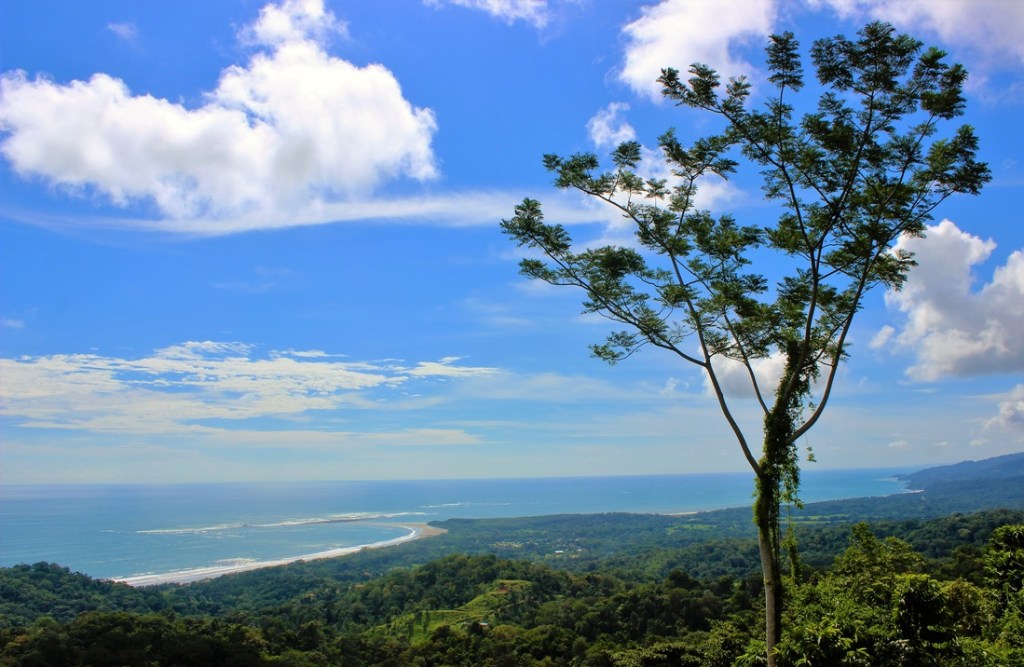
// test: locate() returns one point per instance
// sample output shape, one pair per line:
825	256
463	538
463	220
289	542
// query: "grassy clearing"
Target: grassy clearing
418	626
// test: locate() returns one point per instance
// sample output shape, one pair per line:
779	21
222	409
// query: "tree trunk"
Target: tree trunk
767	541
778	476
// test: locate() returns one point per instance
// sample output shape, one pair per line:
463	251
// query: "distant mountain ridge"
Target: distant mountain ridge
961	488
996	468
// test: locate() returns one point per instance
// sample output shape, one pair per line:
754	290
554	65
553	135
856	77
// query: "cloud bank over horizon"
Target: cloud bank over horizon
182	386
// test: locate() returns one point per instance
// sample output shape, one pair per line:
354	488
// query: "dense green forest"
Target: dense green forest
928	578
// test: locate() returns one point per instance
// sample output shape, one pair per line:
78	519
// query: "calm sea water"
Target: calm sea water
116	531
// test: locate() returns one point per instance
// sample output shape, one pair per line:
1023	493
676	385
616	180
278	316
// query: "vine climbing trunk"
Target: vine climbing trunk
767	540
778	478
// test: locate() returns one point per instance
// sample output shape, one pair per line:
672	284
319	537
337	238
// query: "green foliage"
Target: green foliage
502	599
1004	562
44	589
876	606
593	590
119	638
878	602
850	177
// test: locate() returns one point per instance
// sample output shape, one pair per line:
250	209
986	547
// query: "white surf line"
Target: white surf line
209	572
352	517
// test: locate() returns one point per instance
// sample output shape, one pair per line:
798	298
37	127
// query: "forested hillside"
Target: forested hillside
911	587
997	468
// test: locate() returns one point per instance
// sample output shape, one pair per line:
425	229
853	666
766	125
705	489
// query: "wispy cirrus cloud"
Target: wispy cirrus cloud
198	386
446	368
454	209
534	12
126	30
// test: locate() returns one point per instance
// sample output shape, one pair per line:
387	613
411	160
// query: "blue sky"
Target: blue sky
249	240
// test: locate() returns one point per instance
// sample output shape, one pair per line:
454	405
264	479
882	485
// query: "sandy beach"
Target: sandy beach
416	531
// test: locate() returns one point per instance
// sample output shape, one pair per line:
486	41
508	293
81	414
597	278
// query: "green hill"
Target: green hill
1008	467
936	579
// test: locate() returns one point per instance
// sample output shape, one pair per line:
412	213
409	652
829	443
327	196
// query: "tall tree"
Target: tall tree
850	177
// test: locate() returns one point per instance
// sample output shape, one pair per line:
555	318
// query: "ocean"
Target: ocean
180	532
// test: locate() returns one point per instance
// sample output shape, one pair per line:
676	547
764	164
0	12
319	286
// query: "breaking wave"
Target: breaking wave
334	518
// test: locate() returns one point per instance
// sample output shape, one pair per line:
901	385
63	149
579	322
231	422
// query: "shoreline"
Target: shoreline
416	531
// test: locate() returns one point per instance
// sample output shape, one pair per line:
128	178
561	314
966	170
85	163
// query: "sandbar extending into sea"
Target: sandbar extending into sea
416	531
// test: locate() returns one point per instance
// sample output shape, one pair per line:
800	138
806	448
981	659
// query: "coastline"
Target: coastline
416	531
111	531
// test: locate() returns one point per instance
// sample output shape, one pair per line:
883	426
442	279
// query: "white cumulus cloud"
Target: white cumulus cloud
995	28
678	33
951	325
607	128
293	21
293	125
1011	410
734	378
